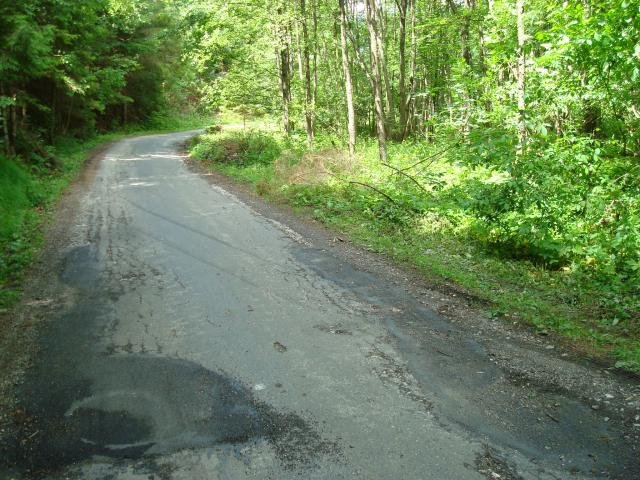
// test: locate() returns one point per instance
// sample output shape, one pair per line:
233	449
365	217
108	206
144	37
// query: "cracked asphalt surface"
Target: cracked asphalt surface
186	335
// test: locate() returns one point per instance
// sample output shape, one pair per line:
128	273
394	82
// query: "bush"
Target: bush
17	197
15	188
572	202
241	148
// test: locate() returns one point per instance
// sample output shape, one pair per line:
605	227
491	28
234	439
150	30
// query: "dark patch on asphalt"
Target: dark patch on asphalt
138	406
493	467
79	400
467	391
113	428
334	329
279	347
80	267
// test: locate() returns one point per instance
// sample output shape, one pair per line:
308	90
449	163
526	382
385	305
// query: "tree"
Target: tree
520	76
348	84
309	100
284	65
376	72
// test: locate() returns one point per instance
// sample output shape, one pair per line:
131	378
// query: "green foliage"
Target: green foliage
18	199
15	186
239	148
81	67
565	202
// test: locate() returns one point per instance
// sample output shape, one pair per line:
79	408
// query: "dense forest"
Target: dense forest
74	68
512	126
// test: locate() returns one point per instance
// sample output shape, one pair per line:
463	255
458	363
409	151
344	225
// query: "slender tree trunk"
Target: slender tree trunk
376	74
351	115
308	97
8	147
358	58
413	82
378	24
285	88
14	122
402	88
468	60
284	67
520	78
465	32
314	59
23	116
300	61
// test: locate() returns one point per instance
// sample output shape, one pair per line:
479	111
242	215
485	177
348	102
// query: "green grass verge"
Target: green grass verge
517	290
28	193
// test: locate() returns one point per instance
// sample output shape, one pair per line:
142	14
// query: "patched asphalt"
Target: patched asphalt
195	337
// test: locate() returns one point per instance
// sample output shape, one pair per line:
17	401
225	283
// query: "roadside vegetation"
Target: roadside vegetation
494	143
423	210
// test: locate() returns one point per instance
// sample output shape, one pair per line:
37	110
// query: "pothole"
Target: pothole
135	406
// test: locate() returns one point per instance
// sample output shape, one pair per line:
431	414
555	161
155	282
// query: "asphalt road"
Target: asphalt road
196	338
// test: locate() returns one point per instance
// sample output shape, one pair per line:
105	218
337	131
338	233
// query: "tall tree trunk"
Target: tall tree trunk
376	75
8	146
351	115
378	24
402	88
413	81
308	97
298	54
314	61
14	121
468	60
285	88
520	78
465	32
284	67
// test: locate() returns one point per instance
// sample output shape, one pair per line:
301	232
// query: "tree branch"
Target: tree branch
397	170
376	190
430	157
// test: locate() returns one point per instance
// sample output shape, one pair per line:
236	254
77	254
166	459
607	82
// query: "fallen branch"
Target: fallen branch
552	417
376	190
406	175
430	157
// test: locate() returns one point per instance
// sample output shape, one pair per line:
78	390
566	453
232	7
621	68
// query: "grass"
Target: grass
29	192
423	229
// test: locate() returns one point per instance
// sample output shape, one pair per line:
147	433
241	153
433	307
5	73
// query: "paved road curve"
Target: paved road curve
198	339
